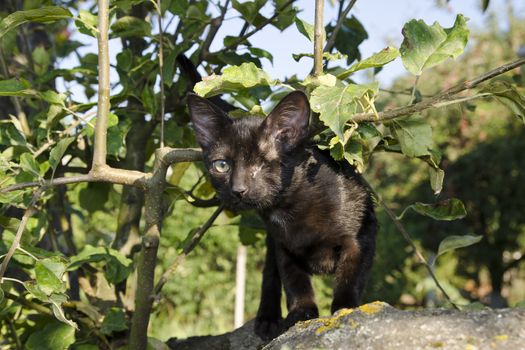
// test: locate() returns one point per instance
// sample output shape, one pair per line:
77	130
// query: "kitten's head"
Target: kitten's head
245	157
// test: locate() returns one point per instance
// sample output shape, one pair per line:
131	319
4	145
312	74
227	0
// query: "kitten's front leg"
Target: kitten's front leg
346	292
300	297
268	319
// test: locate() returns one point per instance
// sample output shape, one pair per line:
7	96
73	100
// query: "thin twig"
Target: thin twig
212	32
318	37
161	73
21	227
263	24
436	99
342	15
22	118
409	240
190	245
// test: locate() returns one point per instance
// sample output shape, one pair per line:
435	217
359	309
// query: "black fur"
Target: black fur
318	213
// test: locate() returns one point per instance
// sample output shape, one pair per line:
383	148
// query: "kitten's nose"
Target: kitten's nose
239	190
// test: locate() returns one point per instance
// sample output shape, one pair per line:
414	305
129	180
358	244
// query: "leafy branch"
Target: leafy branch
436	100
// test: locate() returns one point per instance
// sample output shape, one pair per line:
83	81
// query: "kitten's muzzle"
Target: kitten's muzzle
240	190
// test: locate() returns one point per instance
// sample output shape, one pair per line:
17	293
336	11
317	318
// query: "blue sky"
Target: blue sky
383	19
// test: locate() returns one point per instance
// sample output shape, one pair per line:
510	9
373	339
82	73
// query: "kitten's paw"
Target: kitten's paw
268	328
300	314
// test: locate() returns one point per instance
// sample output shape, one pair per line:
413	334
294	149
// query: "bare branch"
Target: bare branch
263	24
46	184
16	242
438	99
214	28
161	74
101	127
318	37
331	41
190	245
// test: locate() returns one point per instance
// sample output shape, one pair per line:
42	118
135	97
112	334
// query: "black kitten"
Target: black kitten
318	213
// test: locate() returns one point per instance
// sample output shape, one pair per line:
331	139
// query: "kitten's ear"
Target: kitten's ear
209	120
288	122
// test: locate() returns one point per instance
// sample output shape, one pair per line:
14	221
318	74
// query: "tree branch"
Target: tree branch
16	242
101	127
190	245
263	24
214	28
318	37
438	99
342	16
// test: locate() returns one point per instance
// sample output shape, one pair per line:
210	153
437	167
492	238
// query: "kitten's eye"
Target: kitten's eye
221	166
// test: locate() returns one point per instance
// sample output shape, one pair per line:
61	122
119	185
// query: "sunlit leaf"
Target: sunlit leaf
338	104
15	87
425	46
233	78
29	164
376	60
48	274
55	335
43	15
56	301
87	23
446	210
455	242
305	28
130	26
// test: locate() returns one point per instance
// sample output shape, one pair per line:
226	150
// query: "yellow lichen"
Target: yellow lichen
437	344
333	321
371	308
501	337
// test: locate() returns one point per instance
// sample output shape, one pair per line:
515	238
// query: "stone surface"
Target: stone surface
379	326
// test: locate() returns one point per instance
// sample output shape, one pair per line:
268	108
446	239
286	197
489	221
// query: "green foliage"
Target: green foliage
73	280
426	46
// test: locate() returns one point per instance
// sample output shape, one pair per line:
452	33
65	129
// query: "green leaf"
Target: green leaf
350	36
484	5
41	60
15	87
87	23
376	60
56	301
436	179
414	135
44	14
426	46
29	164
233	78
261	53
129	26
54	336
507	95
58	151
115	321
53	97
455	242
1	295
249	9
446	210
305	28
338	104
48	273
118	266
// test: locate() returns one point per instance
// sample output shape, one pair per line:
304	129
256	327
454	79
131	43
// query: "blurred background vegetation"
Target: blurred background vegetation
482	146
